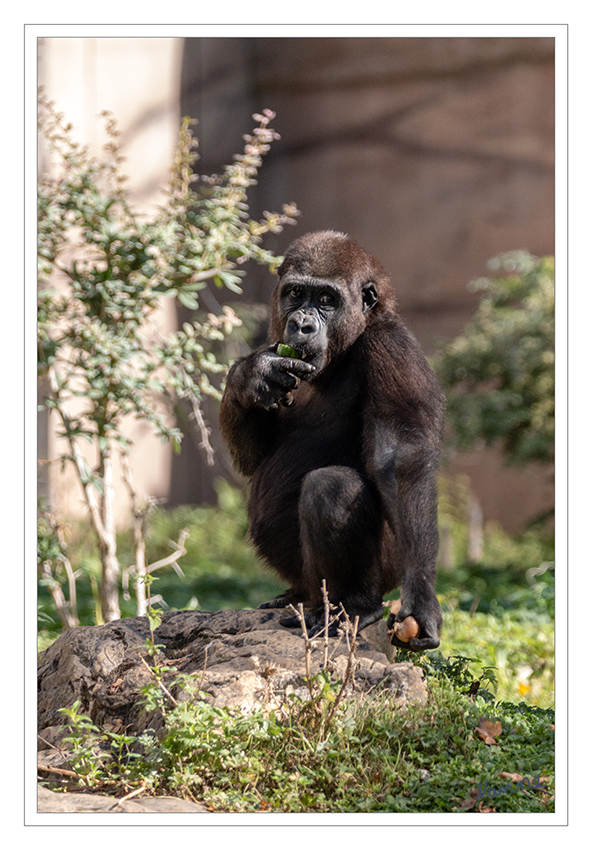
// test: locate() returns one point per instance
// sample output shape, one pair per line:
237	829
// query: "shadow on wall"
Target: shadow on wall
435	154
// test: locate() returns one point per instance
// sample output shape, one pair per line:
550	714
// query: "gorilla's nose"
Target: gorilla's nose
302	324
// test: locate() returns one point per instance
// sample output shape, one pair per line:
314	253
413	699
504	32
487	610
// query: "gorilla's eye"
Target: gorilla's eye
327	299
294	294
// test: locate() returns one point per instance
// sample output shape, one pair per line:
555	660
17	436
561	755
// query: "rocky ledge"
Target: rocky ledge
245	660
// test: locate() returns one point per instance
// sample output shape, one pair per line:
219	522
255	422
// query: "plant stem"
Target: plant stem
108	547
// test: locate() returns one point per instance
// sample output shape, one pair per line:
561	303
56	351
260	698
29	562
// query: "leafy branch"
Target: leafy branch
105	272
499	374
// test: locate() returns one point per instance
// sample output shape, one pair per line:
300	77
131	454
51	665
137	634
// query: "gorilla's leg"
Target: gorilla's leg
340	532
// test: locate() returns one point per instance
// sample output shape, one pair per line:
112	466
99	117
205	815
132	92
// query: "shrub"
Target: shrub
499	374
104	271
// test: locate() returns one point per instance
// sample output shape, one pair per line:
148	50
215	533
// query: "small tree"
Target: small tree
104	271
499	374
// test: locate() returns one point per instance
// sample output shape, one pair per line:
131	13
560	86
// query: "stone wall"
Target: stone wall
436	154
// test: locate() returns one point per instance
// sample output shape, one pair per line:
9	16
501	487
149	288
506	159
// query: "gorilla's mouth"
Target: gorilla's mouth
318	359
307	354
300	352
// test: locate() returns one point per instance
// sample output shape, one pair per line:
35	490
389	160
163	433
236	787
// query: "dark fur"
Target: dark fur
343	446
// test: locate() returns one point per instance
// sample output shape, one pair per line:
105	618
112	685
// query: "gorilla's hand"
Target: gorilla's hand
266	379
428	615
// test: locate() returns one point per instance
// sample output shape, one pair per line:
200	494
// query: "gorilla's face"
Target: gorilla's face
322	317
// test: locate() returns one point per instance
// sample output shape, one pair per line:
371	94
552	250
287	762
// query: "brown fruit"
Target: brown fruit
408	628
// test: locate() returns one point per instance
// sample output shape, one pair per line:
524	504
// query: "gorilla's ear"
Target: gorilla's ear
369	297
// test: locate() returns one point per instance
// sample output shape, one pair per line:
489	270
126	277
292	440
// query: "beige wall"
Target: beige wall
138	80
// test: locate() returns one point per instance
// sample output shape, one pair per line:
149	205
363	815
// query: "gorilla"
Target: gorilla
341	441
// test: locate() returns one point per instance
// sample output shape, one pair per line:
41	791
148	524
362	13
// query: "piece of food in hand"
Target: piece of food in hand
407	628
287	351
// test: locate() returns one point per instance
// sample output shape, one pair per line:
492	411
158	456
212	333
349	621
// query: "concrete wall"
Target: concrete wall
138	79
436	154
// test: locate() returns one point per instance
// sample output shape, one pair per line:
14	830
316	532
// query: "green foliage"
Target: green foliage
321	753
104	271
96	332
370	757
499	374
219	570
514	571
501	609
518	643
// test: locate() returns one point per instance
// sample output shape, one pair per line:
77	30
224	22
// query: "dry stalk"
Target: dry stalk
350	661
350	631
67	609
171	559
60	771
68	617
140	524
189	391
307	647
140	521
326	606
129	796
160	684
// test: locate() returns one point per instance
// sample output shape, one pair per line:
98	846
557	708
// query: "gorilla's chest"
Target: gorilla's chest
322	427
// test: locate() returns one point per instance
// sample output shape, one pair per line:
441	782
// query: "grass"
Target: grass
371	756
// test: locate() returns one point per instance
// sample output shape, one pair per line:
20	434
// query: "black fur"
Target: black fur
343	445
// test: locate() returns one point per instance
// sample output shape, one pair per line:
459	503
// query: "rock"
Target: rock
244	659
50	801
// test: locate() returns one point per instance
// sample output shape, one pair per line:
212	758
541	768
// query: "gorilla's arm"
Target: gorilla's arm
255	387
404	418
404	471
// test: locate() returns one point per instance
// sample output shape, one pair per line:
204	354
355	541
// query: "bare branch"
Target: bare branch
326	606
307	647
87	486
140	521
180	550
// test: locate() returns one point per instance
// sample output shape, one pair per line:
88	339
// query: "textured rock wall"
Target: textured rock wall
436	154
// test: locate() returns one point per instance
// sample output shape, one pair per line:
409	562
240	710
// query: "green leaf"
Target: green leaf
187	300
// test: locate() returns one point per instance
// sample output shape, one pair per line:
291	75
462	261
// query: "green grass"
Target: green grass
370	756
518	646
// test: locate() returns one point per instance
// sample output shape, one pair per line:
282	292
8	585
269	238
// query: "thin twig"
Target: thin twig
67	610
189	393
49	744
350	661
57	594
87	486
200	421
60	771
180	550
140	519
130	795
300	614
161	685
72	576
326	606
